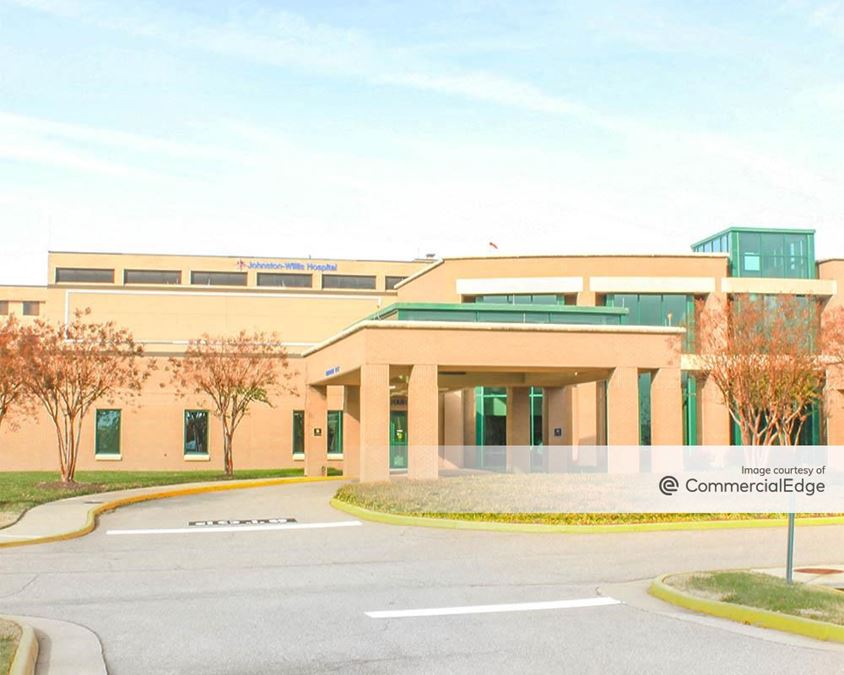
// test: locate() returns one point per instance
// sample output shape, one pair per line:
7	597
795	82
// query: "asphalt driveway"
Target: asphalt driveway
335	594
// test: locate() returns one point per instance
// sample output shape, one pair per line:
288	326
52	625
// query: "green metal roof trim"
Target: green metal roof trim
771	230
478	312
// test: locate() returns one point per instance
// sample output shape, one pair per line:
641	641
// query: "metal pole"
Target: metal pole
789	562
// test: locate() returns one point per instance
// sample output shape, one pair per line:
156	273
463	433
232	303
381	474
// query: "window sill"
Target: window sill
108	458
300	457
197	458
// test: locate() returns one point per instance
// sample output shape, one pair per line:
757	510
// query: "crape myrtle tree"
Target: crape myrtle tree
234	372
768	356
13	399
70	366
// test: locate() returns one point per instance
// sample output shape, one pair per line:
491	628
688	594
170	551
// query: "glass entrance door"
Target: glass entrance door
398	439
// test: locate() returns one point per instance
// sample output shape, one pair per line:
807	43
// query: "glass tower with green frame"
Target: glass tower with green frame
758	252
767	253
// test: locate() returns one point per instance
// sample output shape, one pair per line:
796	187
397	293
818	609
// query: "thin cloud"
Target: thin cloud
284	39
12	123
39	151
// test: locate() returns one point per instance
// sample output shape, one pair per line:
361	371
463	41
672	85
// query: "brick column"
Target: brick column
351	432
518	429
586	418
666	407
586	299
599	408
666	420
623	407
423	423
452	430
623	419
316	433
374	422
714	418
470	451
557	414
833	410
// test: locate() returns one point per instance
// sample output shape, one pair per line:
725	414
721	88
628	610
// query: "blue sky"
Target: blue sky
380	129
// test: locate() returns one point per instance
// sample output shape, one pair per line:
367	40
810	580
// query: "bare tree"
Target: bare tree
13	399
234	372
68	367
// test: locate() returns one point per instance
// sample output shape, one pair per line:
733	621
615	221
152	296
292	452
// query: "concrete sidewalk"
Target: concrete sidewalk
66	648
816	575
76	516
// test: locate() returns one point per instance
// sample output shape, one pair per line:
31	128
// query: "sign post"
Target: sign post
789	558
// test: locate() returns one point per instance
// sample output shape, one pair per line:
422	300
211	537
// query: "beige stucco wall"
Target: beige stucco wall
165	317
152	433
14	297
440	283
120	262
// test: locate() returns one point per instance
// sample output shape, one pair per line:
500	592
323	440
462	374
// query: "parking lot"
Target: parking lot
193	585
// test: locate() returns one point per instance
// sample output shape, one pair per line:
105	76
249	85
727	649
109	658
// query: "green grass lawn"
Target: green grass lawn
21	490
10	634
471	497
765	592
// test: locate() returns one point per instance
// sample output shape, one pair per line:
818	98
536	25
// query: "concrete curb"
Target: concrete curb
180	491
763	618
27	652
538	528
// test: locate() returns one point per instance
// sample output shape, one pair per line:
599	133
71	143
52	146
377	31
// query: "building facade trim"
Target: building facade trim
767	286
494	286
691	285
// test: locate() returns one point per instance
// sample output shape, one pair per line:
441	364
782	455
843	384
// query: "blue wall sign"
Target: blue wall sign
287	266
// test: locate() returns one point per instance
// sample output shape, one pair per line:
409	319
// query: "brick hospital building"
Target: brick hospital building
410	366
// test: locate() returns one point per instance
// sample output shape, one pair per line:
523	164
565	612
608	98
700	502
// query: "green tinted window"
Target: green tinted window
674	309
108	432
631	302
522	299
491	423
651	309
657	310
547	299
690	419
775	254
335	432
536	397
298	432
503	317
196	432
644	408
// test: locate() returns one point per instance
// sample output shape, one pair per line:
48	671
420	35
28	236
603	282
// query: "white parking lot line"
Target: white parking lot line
239	528
490	609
